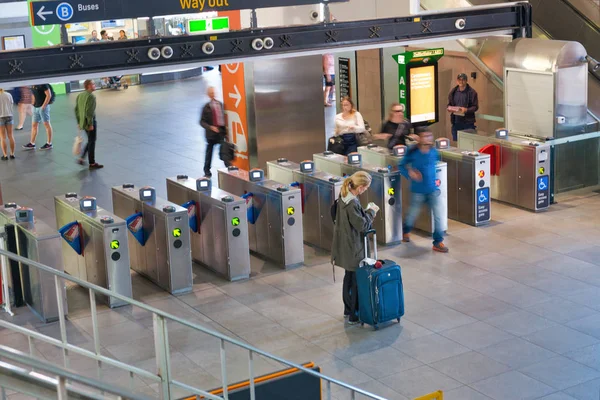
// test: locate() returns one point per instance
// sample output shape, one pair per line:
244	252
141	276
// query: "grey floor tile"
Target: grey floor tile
561	373
477	335
561	310
440	319
520	323
588	325
558	396
384	362
517	353
589	298
585	391
589	356
464	393
420	381
431	348
470	367
522	296
561	339
513	385
483	307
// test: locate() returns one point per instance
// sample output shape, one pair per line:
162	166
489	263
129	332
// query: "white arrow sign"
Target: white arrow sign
237	96
41	13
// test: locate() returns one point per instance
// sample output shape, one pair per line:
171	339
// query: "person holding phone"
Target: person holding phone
463	103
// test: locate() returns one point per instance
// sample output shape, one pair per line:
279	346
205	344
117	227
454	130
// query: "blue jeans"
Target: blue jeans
433	202
40	115
461	126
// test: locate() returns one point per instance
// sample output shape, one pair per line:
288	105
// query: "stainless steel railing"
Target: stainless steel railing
163	374
33	377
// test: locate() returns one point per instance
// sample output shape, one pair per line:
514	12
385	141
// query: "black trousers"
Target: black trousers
90	147
210	146
350	295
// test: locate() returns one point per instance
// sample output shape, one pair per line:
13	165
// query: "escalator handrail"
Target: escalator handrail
587	19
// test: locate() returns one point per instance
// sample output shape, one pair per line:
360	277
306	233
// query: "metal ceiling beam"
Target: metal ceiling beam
148	54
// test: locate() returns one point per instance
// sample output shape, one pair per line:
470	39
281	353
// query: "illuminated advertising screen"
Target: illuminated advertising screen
422	94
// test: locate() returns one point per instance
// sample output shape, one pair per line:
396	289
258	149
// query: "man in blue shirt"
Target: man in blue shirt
418	165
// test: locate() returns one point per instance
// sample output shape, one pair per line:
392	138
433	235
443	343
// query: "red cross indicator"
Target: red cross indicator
481	174
438	182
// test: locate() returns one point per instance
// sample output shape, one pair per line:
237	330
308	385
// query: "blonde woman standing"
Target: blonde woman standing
347	124
351	222
6	124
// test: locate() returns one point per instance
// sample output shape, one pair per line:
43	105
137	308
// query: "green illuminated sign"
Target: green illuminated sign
114	245
217	24
177	232
235	221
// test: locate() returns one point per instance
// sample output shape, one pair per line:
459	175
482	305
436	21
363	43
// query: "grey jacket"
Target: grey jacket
348	246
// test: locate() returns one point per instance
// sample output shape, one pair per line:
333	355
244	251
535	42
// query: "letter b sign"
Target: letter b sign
64	11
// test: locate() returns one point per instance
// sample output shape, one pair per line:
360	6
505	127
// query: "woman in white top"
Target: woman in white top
347	124
6	124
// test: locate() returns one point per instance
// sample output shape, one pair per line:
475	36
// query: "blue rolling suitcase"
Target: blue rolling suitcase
380	293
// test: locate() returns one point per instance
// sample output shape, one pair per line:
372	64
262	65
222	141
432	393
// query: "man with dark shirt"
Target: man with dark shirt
42	95
462	104
213	122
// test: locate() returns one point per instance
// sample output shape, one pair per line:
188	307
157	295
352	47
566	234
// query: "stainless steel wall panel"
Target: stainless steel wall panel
285	124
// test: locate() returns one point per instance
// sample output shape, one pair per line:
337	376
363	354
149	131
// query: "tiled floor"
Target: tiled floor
512	312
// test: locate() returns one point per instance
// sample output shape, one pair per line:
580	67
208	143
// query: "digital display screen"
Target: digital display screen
256	174
354	158
203	183
502	133
308	166
22	214
422	94
147	193
87	203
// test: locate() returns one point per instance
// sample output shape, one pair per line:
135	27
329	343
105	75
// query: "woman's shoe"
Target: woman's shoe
12	156
19	129
4	158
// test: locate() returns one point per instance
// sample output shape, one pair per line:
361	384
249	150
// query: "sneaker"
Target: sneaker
47	146
29	146
96	166
12	156
440	247
4	158
80	161
406	238
19	129
353	321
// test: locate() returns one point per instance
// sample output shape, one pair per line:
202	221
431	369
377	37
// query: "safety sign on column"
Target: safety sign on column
483	204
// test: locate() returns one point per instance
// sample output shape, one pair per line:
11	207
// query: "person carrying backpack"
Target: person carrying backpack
43	96
351	220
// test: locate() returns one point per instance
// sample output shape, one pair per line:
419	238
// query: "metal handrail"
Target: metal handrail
161	340
59	383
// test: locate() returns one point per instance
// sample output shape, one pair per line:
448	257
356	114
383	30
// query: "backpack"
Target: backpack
52	94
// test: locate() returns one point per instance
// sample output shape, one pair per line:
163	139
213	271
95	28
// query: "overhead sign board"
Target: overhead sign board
73	11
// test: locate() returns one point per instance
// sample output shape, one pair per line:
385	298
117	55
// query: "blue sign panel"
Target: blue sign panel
543	192
483	204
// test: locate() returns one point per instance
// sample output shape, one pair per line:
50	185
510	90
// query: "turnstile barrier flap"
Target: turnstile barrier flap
253	211
192	211
72	233
135	224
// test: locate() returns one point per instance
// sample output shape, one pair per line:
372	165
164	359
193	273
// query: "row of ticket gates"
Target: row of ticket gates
219	227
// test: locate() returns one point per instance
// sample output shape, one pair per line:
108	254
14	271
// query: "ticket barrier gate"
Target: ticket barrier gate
218	225
274	214
95	247
159	248
469	199
385	191
520	172
383	157
39	242
319	192
12	293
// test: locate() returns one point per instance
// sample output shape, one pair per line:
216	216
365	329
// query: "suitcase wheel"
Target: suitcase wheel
398	320
376	327
362	324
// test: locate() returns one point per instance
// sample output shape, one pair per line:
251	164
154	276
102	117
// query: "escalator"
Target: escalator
571	20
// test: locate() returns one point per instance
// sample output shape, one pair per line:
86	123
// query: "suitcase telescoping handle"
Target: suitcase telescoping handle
366	236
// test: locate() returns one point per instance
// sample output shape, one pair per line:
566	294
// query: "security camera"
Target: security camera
208	48
314	15
167	52
258	44
268	43
154	53
460	23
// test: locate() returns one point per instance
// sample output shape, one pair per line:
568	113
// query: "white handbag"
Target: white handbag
78	145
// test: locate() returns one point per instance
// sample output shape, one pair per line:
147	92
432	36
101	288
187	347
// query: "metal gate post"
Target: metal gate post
163	362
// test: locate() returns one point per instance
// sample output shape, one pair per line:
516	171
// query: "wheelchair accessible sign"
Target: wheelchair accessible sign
543	192
483	204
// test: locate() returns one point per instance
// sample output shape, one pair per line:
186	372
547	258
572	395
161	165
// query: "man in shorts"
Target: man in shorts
42	95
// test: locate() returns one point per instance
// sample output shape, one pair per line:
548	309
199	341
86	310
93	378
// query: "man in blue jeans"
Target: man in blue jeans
418	165
463	103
